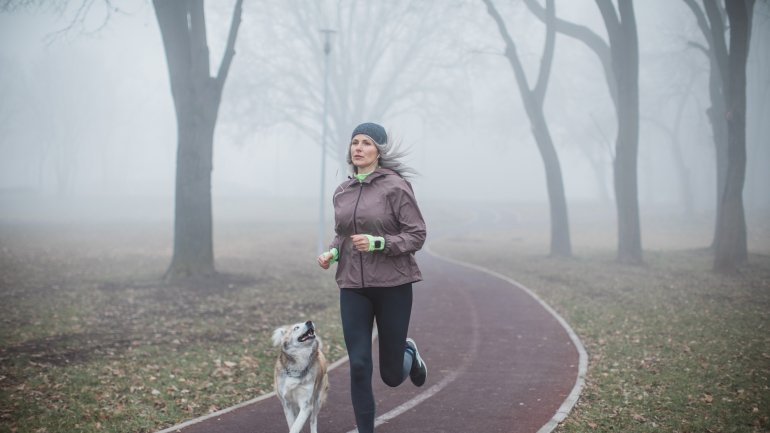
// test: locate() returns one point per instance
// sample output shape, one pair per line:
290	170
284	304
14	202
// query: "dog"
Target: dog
301	381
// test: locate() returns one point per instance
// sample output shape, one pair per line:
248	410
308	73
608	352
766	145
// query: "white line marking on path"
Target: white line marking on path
449	378
558	417
573	396
175	428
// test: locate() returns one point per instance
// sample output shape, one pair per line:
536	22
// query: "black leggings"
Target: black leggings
391	307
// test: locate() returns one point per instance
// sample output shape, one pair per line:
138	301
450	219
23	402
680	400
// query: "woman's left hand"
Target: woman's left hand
360	242
325	259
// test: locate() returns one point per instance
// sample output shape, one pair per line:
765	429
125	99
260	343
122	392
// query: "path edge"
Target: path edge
549	426
178	427
577	388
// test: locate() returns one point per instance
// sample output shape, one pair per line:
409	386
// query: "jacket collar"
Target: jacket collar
378	172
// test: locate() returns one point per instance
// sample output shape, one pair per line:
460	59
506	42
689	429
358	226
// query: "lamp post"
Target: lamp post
321	213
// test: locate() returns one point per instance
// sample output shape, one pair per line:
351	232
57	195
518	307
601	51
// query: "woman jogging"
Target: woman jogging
378	228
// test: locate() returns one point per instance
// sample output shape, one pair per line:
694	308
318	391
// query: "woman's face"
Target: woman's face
363	153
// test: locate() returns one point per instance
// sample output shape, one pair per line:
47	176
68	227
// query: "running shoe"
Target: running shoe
419	371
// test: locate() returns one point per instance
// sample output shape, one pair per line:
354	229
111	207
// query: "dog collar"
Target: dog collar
298	374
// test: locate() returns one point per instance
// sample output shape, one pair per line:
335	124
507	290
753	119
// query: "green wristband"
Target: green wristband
335	255
376	243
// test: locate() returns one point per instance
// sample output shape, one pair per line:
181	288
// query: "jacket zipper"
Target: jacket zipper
355	228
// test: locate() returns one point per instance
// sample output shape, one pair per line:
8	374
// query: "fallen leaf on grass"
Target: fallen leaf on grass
707	398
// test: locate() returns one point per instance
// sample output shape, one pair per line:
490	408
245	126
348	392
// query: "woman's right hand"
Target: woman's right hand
324	260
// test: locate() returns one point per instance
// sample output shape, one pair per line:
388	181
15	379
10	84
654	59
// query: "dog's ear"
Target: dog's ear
278	335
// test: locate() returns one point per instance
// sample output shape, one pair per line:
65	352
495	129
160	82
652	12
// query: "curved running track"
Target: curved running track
500	360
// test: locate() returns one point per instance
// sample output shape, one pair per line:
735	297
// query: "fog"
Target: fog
88	129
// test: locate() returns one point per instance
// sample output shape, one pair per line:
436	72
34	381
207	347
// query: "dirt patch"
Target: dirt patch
65	349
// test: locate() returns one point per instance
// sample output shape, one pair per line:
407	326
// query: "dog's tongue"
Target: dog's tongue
307	335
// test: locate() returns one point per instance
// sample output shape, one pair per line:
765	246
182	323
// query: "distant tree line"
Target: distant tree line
378	74
731	21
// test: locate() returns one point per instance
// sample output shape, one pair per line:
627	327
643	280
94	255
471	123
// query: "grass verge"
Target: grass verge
92	341
672	346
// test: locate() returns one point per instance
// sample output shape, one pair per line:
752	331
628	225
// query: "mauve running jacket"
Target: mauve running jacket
383	204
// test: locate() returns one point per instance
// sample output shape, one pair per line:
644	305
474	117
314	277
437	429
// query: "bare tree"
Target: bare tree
713	25
600	161
57	135
758	109
730	243
624	48
533	103
79	14
197	96
620	62
727	87
387	59
680	95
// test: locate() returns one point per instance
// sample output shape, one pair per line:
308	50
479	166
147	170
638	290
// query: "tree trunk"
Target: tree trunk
710	21
679	158
624	47
686	192
561	244
197	96
730	249
758	104
717	115
620	62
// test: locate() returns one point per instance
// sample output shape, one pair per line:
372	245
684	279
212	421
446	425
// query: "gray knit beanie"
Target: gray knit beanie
373	130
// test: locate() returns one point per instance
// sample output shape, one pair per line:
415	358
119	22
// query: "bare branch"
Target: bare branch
588	37
697	45
718	44
510	48
700	18
227	58
547	59
610	16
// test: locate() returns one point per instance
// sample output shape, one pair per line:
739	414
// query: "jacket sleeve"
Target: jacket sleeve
337	241
413	232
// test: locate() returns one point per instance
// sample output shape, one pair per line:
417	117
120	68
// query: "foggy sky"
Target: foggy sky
99	101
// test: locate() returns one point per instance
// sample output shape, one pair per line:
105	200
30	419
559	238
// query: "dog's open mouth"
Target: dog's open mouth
309	335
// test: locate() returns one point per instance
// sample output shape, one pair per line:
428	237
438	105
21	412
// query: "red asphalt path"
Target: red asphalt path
498	359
